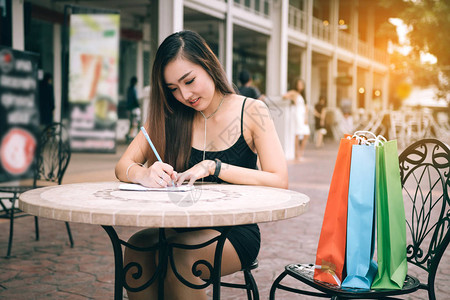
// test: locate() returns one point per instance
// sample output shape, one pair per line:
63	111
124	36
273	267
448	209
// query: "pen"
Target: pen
152	146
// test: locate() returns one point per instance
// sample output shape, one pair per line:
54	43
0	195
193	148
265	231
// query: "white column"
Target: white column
277	50
222	37
146	46
57	71
18	32
370	29
354	71
229	41
369	89
354	86
147	41
371	41
385	92
334	18
308	55
170	18
140	67
331	87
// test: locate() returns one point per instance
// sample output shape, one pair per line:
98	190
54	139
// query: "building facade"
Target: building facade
332	44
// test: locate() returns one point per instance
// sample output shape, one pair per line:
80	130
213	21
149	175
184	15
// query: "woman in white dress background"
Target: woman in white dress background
300	117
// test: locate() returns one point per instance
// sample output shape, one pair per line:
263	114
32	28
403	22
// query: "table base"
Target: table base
165	250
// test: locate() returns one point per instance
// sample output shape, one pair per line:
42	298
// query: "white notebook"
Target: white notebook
138	187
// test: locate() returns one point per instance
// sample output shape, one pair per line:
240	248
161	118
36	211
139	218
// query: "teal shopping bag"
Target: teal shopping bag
360	266
391	224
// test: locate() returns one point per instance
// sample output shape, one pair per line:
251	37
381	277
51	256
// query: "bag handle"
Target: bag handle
361	137
379	140
362	133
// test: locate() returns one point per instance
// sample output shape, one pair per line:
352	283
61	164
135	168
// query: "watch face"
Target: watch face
17	151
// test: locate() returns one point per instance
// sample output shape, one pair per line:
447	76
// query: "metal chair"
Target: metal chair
250	283
425	175
52	158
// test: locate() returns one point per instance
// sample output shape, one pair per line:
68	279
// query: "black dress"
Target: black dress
245	239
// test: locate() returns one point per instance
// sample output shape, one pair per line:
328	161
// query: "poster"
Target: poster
19	113
93	81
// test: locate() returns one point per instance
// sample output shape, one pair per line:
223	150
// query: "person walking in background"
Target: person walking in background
346	124
133	108
300	117
247	88
46	100
191	104
319	120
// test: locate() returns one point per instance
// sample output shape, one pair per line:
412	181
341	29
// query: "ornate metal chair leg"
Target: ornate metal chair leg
70	234
11	226
275	285
252	288
36	227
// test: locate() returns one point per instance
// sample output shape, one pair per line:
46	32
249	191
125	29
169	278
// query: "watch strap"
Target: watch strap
218	167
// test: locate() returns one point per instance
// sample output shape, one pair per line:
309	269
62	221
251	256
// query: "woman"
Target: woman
300	116
193	109
133	109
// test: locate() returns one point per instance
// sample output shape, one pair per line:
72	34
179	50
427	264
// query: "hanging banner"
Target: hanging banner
19	113
93	81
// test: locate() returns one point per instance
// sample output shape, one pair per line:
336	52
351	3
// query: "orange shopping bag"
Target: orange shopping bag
330	256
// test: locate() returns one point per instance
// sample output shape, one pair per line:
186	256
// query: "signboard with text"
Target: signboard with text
93	81
19	113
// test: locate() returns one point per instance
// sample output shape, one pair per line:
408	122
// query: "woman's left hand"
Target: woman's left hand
200	170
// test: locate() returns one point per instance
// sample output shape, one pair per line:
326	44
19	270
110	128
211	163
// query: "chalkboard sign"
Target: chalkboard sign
19	113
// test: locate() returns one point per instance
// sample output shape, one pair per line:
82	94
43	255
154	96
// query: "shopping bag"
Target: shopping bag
360	266
330	255
391	224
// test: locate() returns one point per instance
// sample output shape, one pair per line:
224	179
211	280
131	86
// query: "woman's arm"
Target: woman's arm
323	116
317	114
264	138
130	166
306	114
268	147
292	96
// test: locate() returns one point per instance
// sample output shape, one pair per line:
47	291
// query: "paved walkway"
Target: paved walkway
50	269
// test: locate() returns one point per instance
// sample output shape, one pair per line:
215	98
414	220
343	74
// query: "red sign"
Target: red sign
17	151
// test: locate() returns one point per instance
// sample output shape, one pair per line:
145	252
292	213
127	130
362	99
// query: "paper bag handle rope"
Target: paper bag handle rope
363	133
364	137
380	140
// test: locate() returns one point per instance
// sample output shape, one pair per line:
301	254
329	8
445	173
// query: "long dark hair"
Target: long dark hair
295	84
170	122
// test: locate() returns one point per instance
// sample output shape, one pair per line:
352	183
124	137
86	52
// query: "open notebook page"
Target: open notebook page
138	187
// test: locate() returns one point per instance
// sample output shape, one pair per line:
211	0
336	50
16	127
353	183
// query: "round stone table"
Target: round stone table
103	203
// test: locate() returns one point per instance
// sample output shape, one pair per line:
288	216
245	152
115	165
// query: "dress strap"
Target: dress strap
242	117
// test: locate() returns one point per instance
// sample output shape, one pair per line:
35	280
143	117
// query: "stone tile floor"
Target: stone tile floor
50	269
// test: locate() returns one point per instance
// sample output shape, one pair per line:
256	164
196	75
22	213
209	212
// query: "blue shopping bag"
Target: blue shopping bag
360	266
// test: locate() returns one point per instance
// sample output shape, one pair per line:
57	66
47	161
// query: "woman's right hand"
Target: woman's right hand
157	175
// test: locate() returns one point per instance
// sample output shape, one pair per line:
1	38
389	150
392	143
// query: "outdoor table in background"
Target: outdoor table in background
103	203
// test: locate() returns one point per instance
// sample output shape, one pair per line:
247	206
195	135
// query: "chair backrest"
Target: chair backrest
425	173
53	154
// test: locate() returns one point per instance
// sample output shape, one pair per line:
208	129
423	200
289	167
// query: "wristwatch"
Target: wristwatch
218	166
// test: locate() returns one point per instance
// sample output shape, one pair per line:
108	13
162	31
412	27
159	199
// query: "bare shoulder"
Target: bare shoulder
256	114
255	106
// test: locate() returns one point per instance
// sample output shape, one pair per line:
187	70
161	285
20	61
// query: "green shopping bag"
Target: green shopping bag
391	224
